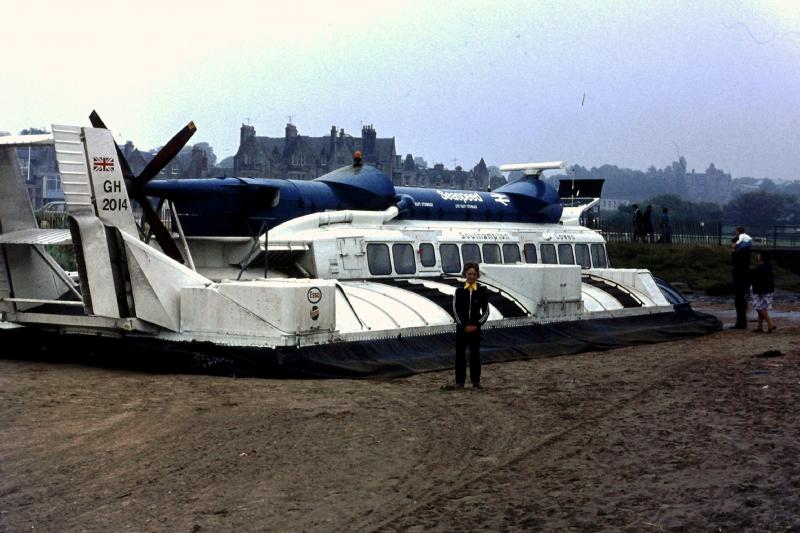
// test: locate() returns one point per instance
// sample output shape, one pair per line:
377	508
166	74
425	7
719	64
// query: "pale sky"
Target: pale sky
630	83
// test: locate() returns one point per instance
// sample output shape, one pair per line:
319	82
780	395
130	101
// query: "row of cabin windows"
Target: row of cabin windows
380	263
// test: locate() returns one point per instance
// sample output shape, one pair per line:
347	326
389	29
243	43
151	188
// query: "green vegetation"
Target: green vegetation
64	256
703	268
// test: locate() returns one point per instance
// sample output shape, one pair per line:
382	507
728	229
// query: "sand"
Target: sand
695	434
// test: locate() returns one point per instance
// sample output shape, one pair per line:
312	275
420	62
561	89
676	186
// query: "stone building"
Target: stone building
712	186
295	156
476	179
191	162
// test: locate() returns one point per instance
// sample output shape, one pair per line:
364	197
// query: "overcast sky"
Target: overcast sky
630	83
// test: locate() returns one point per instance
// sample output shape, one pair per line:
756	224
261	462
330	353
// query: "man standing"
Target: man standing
647	224
665	227
470	309
638	227
740	258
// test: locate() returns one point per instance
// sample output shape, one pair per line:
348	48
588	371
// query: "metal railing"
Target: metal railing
715	233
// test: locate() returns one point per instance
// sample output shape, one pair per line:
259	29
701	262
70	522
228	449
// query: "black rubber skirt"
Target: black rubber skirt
394	357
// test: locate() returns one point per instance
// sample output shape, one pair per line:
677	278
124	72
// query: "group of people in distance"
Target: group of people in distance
643	229
759	282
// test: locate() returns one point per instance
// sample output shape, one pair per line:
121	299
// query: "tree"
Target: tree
33	131
763	208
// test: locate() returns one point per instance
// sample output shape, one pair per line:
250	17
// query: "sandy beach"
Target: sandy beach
694	434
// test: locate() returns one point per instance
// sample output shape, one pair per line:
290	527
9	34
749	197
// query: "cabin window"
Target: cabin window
451	261
565	255
511	253
582	255
530	253
599	259
378	259
549	254
491	254
426	255
470	253
403	255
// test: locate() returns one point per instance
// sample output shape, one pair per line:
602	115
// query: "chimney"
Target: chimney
368	139
291	131
333	140
248	132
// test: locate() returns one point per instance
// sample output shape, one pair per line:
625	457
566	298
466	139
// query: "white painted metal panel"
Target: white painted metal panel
102	298
37	236
16	212
26	140
535	286
376	313
156	283
111	197
31	276
596	299
289	305
71	159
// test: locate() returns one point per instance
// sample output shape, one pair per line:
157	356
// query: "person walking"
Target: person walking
470	310
763	288
740	259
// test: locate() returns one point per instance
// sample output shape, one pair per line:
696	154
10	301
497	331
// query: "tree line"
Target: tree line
756	208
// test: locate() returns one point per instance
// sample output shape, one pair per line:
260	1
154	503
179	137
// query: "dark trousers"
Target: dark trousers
740	286
473	341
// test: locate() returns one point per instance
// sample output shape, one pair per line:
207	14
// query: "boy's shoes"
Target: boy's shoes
452	386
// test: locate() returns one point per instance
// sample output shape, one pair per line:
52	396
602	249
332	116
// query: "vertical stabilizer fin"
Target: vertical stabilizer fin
23	271
108	184
16	212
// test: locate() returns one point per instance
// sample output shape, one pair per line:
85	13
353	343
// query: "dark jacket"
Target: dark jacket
471	308
740	259
763	279
638	220
647	221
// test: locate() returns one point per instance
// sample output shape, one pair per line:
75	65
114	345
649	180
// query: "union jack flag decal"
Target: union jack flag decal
104	164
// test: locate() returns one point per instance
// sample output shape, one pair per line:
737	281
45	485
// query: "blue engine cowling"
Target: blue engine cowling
240	206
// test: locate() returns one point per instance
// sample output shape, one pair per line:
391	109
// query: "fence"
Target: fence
54	216
715	233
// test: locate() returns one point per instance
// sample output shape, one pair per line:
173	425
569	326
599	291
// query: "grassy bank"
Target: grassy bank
703	268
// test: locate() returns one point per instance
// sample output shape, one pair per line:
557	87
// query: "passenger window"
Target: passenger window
403	255
451	261
549	254
565	255
510	253
491	254
470	253
426	255
582	255
599	259
530	253
378	259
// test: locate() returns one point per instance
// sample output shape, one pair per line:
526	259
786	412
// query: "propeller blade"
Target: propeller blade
97	122
166	154
163	238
